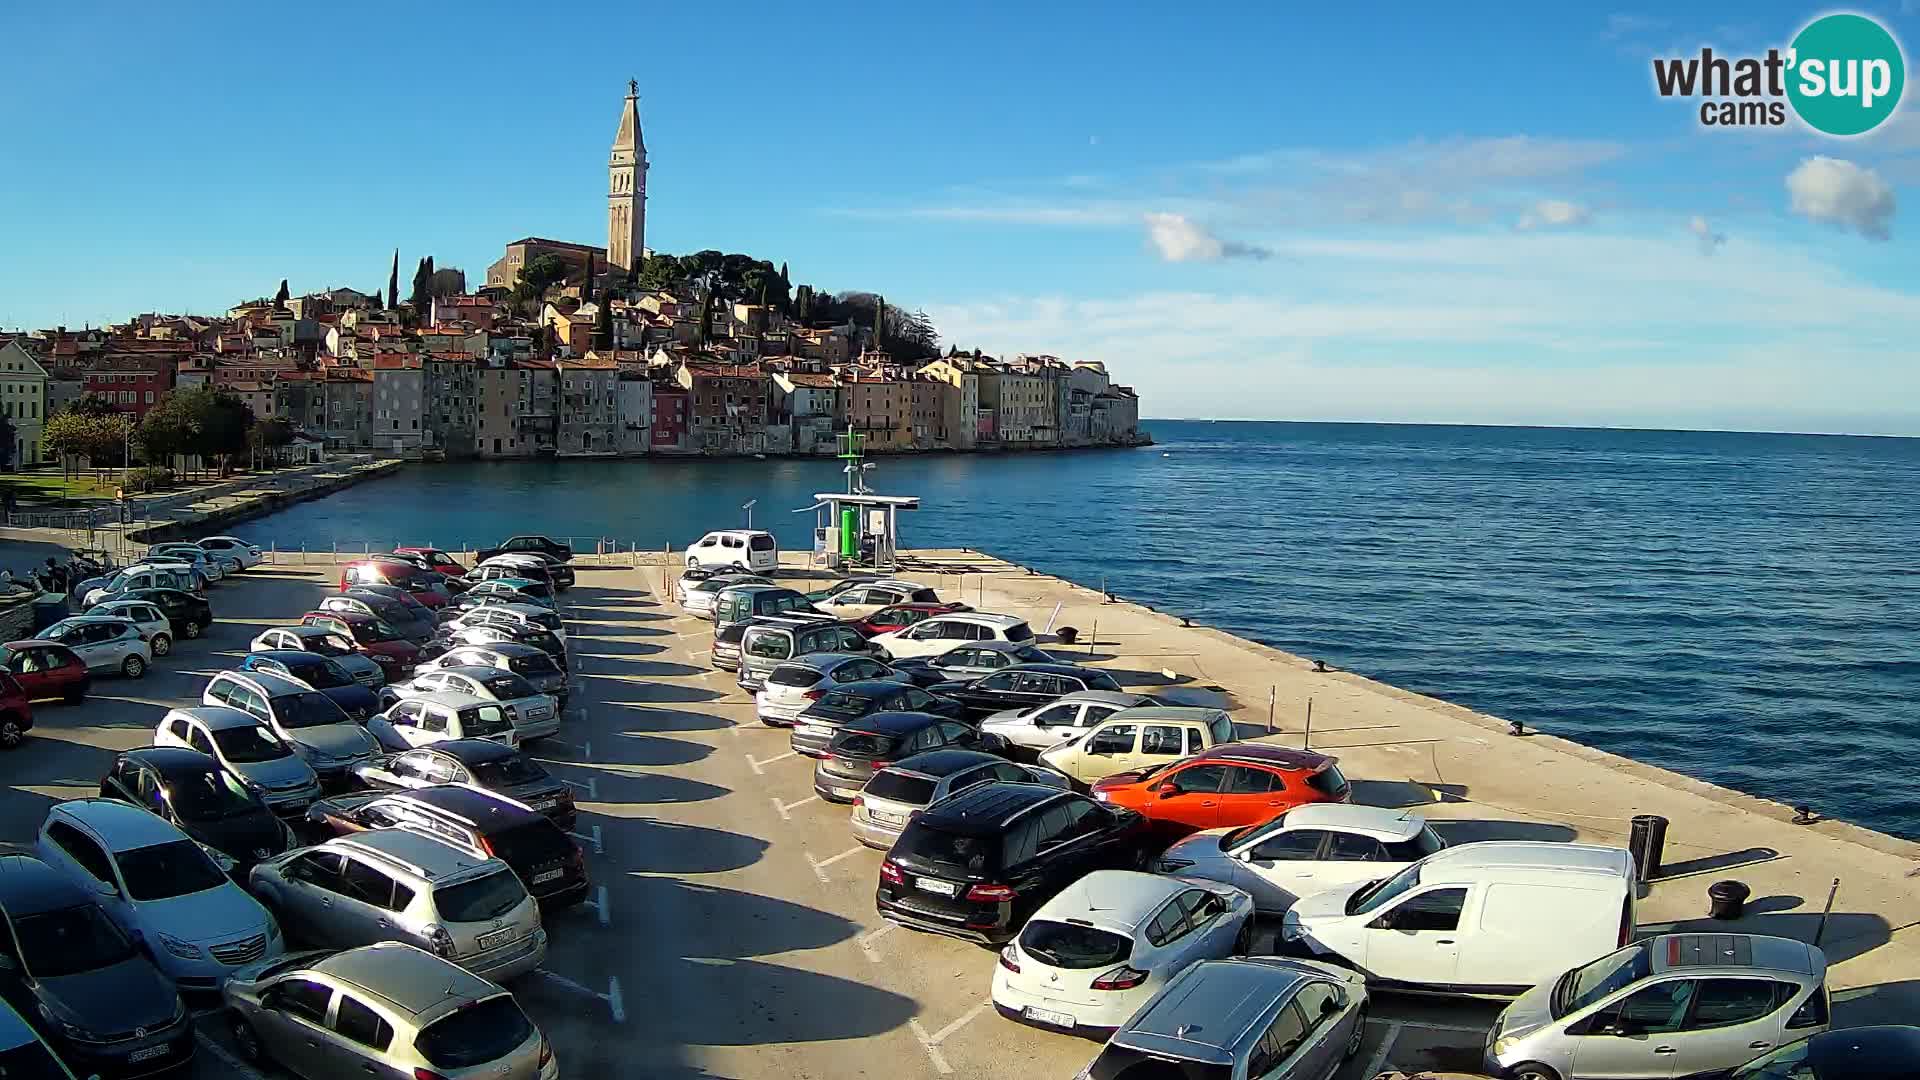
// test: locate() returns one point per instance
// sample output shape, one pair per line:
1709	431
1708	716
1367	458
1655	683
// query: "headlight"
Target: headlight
1504	1045
185	950
1101	796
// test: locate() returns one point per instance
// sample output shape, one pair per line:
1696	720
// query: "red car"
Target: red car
1234	784
46	669
900	616
371	638
435	558
16	712
426	586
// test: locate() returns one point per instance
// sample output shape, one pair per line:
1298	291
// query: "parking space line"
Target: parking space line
592	837
1379	1060
820	865
599	905
616	1003
584	749
226	1057
785	808
1426	1025
932	1042
759	767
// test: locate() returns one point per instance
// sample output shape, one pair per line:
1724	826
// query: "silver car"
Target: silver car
1255	1017
795	684
103	643
399	885
1042	727
384	1010
535	715
328	643
984	658
1677	1004
248	748
702	594
903	789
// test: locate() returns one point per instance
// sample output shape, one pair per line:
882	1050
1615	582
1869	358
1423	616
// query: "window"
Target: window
1281	1039
1427	912
1812	1012
1353	847
1317	1001
1655	1009
1169	924
1242	780
303	998
1197	778
362	882
1723	1002
1117	739
1160	739
1296	845
82	850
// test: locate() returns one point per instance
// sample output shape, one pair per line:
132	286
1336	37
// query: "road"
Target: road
733	931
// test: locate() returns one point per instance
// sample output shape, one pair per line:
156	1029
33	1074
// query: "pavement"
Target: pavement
732	931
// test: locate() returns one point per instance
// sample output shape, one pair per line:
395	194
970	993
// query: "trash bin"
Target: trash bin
1648	841
1729	899
1068	635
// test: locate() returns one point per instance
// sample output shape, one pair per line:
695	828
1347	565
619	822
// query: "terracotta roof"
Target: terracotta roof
588	363
815	379
396	362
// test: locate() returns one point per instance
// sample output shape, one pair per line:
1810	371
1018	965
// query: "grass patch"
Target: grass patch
52	487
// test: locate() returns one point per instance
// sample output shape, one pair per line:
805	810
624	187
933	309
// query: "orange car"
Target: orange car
1233	784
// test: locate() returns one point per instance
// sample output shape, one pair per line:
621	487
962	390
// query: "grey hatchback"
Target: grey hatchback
899	791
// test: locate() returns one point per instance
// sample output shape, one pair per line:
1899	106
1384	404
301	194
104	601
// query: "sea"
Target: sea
1743	608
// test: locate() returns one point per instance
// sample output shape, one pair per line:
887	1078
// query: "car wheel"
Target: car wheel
247	1041
1243	944
11	736
191	630
1532	1070
162	644
1359	1035
133	667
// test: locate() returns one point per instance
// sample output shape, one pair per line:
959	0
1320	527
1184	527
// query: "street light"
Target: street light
748	507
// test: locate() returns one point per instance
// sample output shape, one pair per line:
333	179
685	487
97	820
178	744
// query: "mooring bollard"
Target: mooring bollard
1647	840
1729	899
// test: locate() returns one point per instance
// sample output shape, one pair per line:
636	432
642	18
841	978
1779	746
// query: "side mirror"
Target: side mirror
1169	791
1244	855
1331	1005
1387	921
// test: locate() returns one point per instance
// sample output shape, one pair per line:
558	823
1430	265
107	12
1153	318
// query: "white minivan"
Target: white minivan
1496	917
748	549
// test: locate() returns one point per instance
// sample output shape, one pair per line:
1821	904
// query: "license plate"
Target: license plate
939	888
544	804
887	819
497	938
149	1053
1044	1016
545	876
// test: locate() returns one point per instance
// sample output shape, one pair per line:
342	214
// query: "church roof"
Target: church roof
629	137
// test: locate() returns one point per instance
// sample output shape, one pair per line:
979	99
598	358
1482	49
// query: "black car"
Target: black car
407	615
1024	686
549	863
862	747
813	728
194	791
558	555
976	865
538	637
480	762
321	673
94	993
529	663
1884	1052
189	614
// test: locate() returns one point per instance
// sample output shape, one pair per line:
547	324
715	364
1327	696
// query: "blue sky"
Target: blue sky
1246	213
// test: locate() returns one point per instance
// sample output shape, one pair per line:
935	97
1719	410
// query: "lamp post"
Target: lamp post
748	507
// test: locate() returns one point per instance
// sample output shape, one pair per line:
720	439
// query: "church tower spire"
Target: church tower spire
627	187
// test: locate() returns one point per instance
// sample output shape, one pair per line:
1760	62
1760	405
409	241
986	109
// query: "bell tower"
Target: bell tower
627	187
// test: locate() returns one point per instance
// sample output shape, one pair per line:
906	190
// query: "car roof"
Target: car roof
995	645
755	587
289	656
1113	899
937	606
984	618
122	826
274	685
483	808
1053	667
1469	860
91	619
870	687
935	764
1259	753
1378	822
171	761
1879	1052
1197	714
1672	951
1213	1008
988	807
409	977
473	671
737	532
418	850
306	630
892	723
36	643
219	717
1122	698
473	751
29	886
452	699
504	648
823	661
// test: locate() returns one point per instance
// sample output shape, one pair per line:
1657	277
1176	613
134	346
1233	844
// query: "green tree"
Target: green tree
661	272
539	275
393	282
7	434
603	321
706	317
67	434
90	405
280	298
422	296
268	437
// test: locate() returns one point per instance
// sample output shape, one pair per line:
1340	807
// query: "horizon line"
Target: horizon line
1528	427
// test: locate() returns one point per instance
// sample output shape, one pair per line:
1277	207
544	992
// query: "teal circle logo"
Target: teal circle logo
1847	74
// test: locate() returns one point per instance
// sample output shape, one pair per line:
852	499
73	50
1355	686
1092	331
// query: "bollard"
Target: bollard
1728	899
1647	840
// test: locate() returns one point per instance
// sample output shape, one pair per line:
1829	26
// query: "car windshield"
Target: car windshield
374	631
864	744
164	871
319	674
1100	680
507	686
480	1033
329	645
967	854
1233	838
1074	946
1583	986
1378	893
246	745
900	787
844	703
480	899
68	942
793	675
208	795
1330	782
508	772
309	709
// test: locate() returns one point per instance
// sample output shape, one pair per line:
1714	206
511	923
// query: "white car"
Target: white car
171	575
1305	850
797	683
247	747
247	555
103	643
535	715
933	636
748	549
144	614
445	715
161	888
862	600
1097	951
701	595
189	554
325	642
1044	726
500	611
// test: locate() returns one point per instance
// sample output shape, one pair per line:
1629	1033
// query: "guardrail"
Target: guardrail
587	550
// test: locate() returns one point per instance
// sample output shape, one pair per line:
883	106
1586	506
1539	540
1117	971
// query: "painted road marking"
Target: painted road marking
599	905
593	837
759	767
616	1003
867	942
1386	1047
1429	1026
786	808
820	865
932	1042
584	749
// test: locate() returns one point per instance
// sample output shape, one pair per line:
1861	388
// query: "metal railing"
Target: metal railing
587	550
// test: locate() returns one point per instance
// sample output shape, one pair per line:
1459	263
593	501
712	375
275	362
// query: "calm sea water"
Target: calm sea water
1743	608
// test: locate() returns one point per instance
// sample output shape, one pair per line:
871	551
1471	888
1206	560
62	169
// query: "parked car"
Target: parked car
900	616
1091	956
444	715
401	885
103	643
196	793
741	603
320	732
1225	786
203	563
701	595
16	712
247	747
142	576
1883	1052
538	637
435	559
26	1052
316	672
427	587
232	547
724	653
968	661
975	866
479	763
1024	687
877	740
868	597
1490	917
765	643
1139	738
412	624
325	642
529	544
372	638
46	669
540	567
160	888
505	584
388	1009
897	792
814	726
1676	1004
535	715
423	595
1042	727
1322	845
1258	1017
498	612
936	635
481	823
795	684
101	1000
146	616
747	549
525	661
189	613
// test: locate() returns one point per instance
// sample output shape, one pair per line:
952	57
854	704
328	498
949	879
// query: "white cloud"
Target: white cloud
1710	240
1553	214
1842	194
1177	238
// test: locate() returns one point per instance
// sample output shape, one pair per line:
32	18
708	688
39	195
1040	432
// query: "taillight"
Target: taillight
1120	978
859	801
1010	959
486	845
427	1074
814	695
890	872
882	764
991	894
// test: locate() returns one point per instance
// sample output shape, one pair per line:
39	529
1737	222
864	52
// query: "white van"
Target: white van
748	549
1496	917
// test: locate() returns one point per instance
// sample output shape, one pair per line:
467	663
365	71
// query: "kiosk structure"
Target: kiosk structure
857	528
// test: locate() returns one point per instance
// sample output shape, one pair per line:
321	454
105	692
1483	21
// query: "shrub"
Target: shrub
150	478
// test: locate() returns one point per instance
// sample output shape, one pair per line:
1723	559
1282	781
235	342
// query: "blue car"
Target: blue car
322	673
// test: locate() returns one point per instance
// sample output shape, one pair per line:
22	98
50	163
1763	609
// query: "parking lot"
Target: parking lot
732	931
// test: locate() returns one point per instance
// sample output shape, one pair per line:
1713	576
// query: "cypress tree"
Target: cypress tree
393	282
